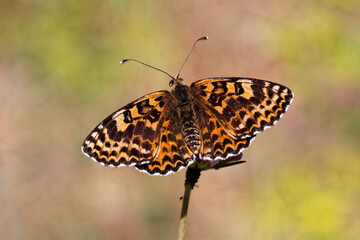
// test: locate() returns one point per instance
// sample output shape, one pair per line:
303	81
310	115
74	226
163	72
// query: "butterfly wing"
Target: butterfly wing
216	143
243	106
131	135
174	153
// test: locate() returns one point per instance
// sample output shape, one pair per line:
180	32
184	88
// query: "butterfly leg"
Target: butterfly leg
229	162
224	164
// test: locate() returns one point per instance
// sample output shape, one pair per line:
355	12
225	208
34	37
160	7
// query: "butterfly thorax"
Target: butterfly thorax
181	92
189	122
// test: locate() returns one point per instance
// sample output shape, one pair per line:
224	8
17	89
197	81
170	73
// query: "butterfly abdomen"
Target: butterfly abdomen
190	130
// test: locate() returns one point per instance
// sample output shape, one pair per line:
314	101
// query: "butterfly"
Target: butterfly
213	120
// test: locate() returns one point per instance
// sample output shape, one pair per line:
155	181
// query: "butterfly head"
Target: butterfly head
175	81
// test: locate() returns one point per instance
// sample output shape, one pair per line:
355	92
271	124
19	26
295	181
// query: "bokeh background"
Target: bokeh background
60	76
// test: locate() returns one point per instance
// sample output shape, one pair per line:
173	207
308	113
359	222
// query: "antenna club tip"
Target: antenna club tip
123	61
204	38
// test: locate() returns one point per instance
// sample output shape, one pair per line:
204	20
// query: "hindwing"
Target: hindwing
216	143
174	154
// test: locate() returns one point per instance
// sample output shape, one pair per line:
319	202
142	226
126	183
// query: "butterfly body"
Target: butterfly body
183	104
213	119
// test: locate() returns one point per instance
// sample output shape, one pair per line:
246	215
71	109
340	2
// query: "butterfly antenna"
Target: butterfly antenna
134	60
200	39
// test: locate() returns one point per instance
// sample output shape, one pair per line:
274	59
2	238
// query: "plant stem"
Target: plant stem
192	176
184	210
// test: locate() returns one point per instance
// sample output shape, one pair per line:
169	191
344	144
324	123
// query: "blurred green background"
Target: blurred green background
60	76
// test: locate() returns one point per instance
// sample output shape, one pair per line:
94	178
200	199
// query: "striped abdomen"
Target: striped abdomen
190	131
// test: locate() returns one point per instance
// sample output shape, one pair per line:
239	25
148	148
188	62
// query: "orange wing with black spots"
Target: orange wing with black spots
243	106
174	154
216	143
131	135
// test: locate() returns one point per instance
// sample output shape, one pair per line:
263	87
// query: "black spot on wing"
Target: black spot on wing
101	137
216	99
228	113
136	141
149	134
127	116
255	100
129	131
118	136
238	88
154	116
249	123
139	128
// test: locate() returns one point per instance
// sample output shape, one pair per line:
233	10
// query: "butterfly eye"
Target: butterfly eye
171	82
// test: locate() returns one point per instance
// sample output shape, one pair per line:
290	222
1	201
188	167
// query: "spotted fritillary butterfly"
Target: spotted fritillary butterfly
213	120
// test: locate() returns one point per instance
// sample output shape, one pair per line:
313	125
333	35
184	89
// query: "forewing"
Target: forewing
174	154
243	106
131	135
